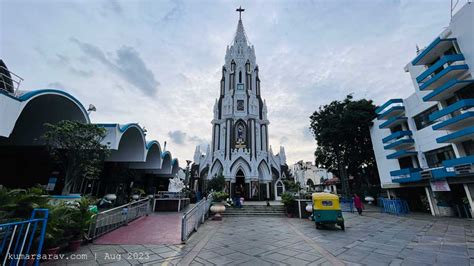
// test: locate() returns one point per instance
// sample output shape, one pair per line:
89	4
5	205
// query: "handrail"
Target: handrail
109	220
194	217
123	206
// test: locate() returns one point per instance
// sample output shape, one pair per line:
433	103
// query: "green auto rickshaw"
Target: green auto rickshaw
327	210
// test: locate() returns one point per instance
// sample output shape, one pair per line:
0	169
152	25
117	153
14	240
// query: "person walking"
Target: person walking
358	204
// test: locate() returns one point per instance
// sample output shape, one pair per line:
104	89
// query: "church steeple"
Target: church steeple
240	36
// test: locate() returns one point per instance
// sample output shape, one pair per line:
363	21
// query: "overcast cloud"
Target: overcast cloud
158	62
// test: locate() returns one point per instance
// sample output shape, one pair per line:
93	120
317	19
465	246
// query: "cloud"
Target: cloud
114	6
128	65
56	85
177	136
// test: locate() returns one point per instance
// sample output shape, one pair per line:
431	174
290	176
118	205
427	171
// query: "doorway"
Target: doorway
240	182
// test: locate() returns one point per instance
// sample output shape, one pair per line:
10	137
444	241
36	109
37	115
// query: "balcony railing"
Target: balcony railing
433	50
391	112
400	144
458	136
401	154
457	122
394	121
406	175
443	62
397	135
387	104
458	106
447	89
449	72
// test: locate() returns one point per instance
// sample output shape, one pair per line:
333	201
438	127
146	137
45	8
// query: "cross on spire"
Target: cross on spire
240	10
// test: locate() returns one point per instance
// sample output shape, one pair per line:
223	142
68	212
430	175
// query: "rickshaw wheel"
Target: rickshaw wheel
318	225
343	227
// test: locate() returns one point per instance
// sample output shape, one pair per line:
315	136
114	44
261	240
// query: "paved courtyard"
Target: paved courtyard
372	239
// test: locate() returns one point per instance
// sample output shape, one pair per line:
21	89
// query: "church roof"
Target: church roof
240	35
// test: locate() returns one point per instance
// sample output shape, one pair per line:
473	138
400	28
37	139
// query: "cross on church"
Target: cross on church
240	10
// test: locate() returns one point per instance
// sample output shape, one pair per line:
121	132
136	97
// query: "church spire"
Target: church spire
240	35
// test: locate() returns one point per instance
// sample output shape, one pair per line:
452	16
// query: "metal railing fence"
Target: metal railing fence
193	218
394	206
22	242
111	219
347	205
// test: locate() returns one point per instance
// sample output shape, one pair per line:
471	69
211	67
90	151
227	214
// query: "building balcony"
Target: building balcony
401	154
458	122
399	144
393	122
443	76
397	135
461	106
406	175
460	166
390	109
458	136
434	50
447	90
443	61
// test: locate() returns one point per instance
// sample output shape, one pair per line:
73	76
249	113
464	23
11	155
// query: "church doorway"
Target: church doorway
240	182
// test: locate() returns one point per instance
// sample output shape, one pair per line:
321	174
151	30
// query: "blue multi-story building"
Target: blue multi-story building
424	144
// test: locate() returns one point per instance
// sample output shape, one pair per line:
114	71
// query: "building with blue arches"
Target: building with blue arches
134	161
424	144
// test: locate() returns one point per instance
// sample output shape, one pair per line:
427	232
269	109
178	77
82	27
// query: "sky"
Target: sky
158	63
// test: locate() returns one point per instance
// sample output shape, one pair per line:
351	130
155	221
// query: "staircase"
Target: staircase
255	210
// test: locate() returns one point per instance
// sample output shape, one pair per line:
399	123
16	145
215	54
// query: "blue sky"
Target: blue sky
158	62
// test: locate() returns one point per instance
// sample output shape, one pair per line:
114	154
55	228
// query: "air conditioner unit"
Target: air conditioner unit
464	169
426	174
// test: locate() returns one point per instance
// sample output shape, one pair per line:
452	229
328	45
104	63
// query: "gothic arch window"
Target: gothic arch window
240	76
248	76
232	66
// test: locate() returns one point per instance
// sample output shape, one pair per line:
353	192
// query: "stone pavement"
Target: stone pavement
372	239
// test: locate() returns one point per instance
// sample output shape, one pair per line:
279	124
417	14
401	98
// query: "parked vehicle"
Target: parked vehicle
327	210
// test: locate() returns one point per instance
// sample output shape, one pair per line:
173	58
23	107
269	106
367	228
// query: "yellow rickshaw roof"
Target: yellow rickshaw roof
324	195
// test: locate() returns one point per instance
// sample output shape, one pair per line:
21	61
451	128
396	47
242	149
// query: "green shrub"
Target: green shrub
217	183
287	198
219	196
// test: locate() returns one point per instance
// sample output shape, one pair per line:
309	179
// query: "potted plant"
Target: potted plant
288	200
78	220
54	236
218	205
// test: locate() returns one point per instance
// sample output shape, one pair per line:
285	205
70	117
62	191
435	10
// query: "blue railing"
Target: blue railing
347	205
22	242
443	60
395	206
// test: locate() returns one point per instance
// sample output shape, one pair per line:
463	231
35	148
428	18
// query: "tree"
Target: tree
341	130
78	150
217	183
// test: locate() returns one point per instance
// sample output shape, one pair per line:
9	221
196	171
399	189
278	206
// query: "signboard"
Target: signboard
51	184
441	185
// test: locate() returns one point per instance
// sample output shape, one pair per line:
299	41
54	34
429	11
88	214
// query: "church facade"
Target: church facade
240	149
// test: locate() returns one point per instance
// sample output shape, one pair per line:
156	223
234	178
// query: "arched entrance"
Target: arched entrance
240	182
279	189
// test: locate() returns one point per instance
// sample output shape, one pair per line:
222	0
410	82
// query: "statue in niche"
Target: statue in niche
241	136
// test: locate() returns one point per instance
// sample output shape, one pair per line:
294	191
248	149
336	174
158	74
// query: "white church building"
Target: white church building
240	149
